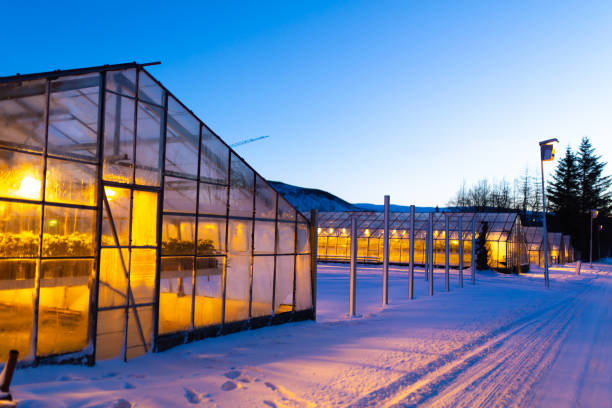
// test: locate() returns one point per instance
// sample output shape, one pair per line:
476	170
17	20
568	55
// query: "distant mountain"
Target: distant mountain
306	199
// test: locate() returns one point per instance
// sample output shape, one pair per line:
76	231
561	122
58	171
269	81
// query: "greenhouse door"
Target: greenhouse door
126	294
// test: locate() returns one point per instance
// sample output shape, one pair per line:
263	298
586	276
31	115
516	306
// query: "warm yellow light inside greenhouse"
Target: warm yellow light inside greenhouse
30	187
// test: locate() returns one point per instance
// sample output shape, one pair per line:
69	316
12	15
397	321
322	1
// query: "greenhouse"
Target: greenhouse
504	240
128	226
560	250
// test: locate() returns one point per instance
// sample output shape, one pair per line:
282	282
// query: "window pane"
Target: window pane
175	294
113	277
178	235
20	175
148	90
285	211
182	139
123	82
264	237
213	199
241	188
211	236
119	201
19	229
144	218
149	136
303	238
240	236
118	139
213	157
73	116
22	114
70	182
286	237
209	286
237	287
263	280
303	283
109	339
16	306
142	275
140	331
68	232
63	311
284	284
265	202
180	195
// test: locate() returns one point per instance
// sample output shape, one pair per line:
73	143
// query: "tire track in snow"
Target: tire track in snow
504	376
460	359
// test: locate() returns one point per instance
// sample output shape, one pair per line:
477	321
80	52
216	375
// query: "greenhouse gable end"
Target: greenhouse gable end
128	226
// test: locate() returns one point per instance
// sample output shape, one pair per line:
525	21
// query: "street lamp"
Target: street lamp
594	214
547	153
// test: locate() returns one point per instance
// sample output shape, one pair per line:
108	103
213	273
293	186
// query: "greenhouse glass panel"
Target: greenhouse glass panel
182	141
214	158
144	210
303	283
180	195
142	275
68	232
119	139
178	235
284	284
148	90
22	115
241	188
175	294
71	182
149	132
265	200
238	271
122	82
19	229
63	309
208	291
116	217
73	116
113	277
265	233
109	338
20	175
303	242
286	237
211	236
213	199
139	331
263	282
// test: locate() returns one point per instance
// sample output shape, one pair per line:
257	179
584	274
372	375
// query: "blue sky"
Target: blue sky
360	98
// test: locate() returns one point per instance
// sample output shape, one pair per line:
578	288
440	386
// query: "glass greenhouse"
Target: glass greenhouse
128	226
505	240
560	250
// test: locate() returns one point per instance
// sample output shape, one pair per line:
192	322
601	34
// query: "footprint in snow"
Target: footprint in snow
128	386
228	386
232	374
270	404
191	396
271	386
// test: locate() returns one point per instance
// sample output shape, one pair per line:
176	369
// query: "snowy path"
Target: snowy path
504	342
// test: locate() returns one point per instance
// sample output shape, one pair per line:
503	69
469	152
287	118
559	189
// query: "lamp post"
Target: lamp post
594	214
547	153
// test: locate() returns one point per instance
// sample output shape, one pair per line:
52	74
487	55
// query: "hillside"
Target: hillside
306	199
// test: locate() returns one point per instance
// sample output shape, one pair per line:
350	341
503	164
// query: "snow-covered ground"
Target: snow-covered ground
504	342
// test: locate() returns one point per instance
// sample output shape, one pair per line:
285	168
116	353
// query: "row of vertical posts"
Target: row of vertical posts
429	263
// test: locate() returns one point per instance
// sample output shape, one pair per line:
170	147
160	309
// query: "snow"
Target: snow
505	341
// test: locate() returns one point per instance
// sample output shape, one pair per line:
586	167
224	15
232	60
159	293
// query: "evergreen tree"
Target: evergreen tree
594	187
482	252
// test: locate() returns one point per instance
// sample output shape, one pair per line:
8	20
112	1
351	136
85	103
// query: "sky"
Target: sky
359	98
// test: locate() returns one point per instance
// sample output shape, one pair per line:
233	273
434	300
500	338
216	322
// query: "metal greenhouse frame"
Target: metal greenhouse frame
505	238
128	226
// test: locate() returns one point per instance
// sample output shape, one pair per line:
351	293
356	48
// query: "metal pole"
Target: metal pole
474	250
353	277
460	251
313	260
446	255
385	291
430	254
426	254
591	240
411	254
545	230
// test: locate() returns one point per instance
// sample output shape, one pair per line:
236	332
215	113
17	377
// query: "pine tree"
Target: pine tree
482	252
594	187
